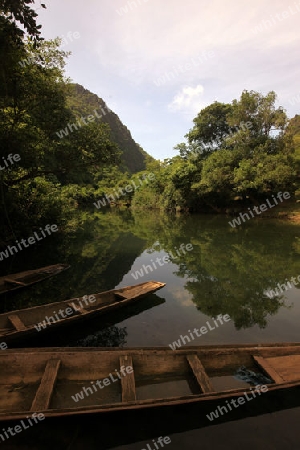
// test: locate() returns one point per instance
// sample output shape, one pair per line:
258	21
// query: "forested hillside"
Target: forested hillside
83	102
60	146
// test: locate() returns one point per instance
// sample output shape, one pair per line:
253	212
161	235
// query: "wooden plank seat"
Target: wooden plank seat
281	369
44	393
17	322
136	291
268	369
127	382
119	295
200	374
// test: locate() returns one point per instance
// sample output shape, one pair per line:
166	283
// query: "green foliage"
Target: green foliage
293	131
264	174
260	111
211	128
244	149
39	199
54	174
146	198
217	172
19	11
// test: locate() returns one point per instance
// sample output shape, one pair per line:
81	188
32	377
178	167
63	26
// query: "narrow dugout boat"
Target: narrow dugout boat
24	323
29	277
64	382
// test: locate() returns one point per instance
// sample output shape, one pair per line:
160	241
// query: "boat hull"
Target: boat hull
51	378
28	278
26	323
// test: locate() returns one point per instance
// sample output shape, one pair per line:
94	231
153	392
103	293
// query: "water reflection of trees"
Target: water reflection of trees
109	337
93	251
229	271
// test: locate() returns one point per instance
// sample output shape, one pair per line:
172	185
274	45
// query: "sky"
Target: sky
157	63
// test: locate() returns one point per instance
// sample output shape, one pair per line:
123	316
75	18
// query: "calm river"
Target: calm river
225	271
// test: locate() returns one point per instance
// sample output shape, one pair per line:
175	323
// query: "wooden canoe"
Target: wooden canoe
24	279
47	380
24	323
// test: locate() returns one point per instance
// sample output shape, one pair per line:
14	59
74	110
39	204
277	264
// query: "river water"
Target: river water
210	269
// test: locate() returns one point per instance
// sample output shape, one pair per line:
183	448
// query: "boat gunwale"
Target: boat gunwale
142	350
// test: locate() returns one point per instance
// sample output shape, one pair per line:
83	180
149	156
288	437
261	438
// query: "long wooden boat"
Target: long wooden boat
24	279
62	382
24	323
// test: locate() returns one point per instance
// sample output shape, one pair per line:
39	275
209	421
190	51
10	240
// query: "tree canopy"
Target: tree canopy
242	151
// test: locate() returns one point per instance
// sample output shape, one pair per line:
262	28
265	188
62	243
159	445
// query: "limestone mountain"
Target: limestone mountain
83	102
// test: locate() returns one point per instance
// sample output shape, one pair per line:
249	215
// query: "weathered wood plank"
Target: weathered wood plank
287	366
17	322
138	290
200	374
130	293
268	369
127	382
11	281
44	393
78	308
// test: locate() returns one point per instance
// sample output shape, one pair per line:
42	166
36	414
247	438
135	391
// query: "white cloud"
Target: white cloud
116	56
189	100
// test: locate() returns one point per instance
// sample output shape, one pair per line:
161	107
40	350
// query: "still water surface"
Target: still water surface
228	271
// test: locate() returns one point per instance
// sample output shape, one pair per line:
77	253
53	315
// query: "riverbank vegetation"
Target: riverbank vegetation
236	155
61	146
59	156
